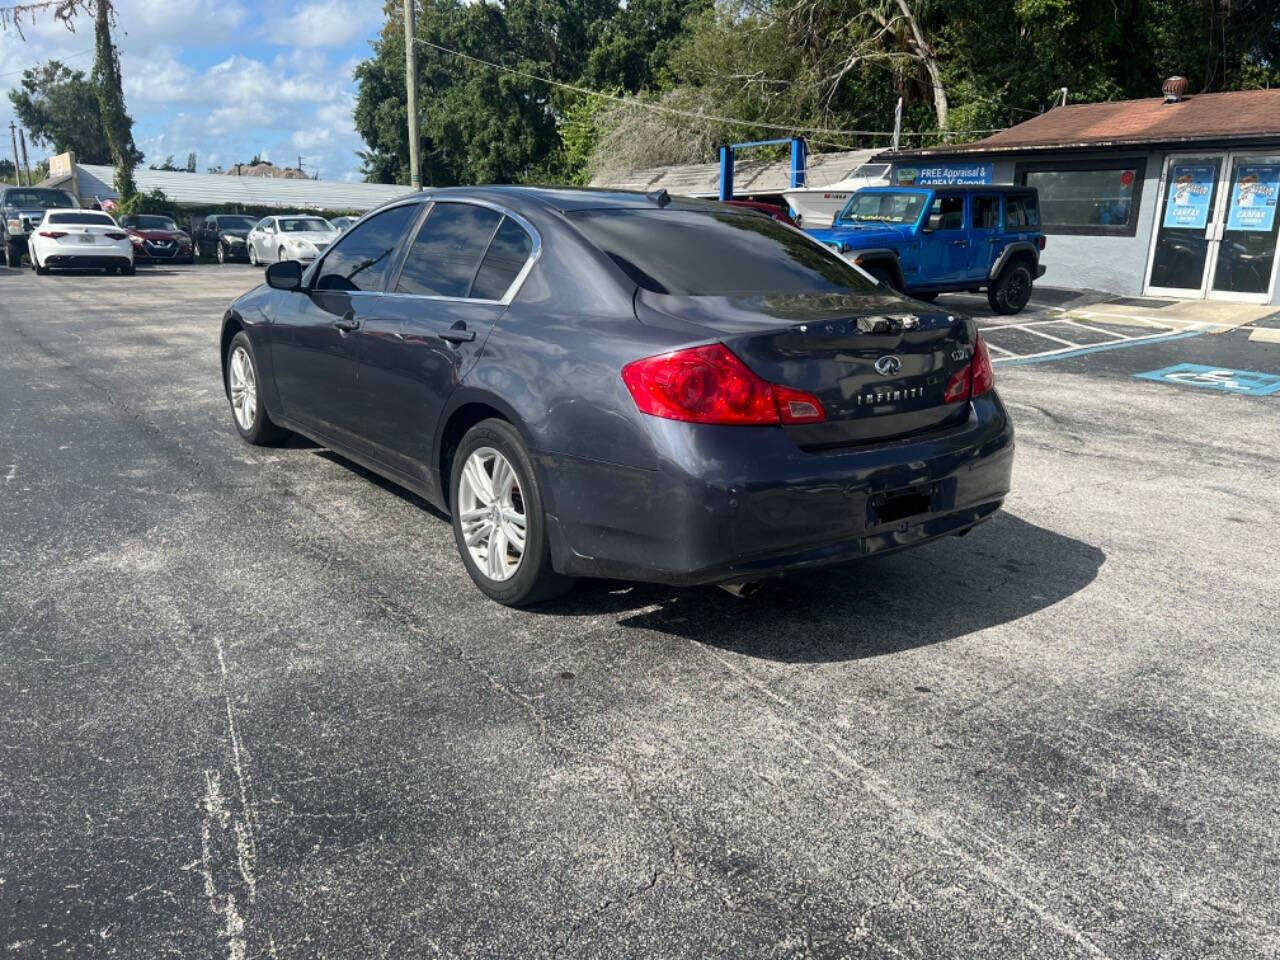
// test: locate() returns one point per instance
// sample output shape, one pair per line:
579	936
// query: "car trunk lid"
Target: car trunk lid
879	363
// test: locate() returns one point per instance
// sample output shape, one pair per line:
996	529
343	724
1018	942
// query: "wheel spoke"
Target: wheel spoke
478	535
474	472
497	555
514	535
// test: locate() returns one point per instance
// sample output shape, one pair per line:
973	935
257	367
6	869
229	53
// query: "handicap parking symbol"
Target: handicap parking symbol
1250	383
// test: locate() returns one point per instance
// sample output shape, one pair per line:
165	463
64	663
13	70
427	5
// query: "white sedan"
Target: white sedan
290	238
79	239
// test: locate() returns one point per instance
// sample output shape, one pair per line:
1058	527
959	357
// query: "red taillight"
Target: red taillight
984	375
1041	241
117	236
53	234
711	385
974	379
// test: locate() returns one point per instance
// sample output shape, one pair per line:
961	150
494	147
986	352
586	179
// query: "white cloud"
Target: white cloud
324	23
296	101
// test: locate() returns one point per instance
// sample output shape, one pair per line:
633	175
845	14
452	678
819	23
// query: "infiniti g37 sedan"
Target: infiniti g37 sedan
632	386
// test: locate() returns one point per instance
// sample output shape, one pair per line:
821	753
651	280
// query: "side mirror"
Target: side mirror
285	275
935	222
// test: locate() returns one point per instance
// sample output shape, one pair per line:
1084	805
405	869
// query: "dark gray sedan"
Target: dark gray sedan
624	385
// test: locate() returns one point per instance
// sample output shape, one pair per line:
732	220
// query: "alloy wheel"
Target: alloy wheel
243	384
492	513
222	254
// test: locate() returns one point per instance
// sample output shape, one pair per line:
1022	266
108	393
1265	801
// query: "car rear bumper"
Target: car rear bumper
737	504
87	261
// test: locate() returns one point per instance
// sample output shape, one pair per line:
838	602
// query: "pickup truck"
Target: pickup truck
21	210
929	240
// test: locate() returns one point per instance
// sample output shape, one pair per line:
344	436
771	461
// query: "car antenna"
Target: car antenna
660	197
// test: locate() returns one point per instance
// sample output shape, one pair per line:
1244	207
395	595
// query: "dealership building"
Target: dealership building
1169	197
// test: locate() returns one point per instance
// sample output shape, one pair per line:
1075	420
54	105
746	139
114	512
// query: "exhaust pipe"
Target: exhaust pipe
742	588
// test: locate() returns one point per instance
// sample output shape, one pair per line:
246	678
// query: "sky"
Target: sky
226	79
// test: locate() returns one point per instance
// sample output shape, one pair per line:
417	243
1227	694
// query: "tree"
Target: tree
60	109
485	124
115	121
8	172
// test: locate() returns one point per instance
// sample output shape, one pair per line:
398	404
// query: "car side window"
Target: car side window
363	257
951	209
986	213
446	253
1021	213
503	261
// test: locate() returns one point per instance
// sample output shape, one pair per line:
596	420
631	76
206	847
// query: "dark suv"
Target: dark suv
928	240
21	210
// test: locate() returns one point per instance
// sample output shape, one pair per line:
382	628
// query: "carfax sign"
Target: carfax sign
945	174
1190	190
1253	197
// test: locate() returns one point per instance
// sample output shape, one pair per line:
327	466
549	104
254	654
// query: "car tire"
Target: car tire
12	255
129	270
253	256
280	257
241	380
222	253
1011	291
111	270
41	271
495	446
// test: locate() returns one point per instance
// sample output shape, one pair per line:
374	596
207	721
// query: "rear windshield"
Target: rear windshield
99	219
41	199
235	223
715	253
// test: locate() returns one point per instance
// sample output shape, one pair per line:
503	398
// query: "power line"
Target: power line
70	56
690	114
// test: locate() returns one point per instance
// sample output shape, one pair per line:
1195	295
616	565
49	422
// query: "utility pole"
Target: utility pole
22	139
411	81
17	170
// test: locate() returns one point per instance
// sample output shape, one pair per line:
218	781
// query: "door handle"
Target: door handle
458	333
348	323
960	243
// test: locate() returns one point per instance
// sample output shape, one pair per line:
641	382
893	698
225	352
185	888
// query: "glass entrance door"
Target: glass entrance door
1185	230
1217	227
1245	265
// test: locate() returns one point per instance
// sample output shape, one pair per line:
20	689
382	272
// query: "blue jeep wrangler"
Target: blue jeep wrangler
928	240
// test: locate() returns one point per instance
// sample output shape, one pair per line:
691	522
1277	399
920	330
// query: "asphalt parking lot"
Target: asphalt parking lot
251	705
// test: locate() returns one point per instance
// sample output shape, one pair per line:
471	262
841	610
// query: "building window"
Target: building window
1087	197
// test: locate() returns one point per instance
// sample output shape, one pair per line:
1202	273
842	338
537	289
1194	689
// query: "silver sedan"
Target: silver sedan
299	237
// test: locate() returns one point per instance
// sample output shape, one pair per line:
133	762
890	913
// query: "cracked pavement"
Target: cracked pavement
251	705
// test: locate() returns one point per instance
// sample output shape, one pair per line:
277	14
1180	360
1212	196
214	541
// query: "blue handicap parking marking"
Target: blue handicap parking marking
1250	383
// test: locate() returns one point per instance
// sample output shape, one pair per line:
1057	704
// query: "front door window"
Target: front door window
1184	232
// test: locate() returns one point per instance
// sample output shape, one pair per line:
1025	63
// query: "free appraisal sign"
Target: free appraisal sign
945	174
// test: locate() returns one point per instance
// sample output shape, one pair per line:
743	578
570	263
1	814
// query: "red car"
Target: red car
157	239
778	213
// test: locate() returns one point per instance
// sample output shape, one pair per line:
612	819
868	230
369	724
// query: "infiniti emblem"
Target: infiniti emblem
888	365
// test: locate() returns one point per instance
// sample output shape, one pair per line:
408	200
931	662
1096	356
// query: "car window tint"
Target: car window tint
503	262
951	209
986	212
715	251
81	219
364	256
1021	212
443	259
